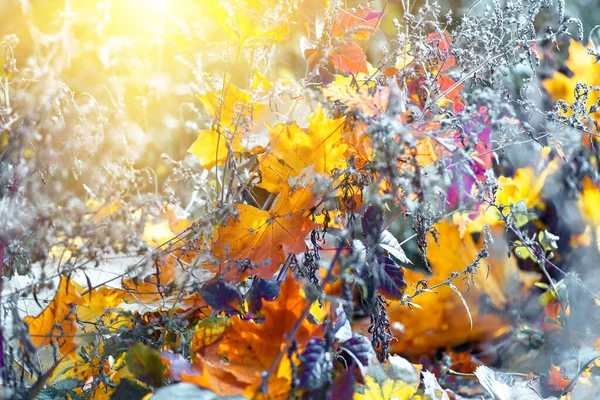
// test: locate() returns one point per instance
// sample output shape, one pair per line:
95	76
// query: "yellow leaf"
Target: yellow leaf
251	22
584	69
225	106
383	383
589	200
101	210
232	110
525	186
158	231
210	148
260	82
387	389
293	149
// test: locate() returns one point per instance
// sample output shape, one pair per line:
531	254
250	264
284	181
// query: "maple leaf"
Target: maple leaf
251	348
447	323
83	370
293	149
556	380
452	93
346	55
211	148
443	43
357	99
165	227
96	303
57	323
525	187
100	209
589	200
263	237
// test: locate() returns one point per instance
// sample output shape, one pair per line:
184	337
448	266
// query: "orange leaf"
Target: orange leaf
263	237
443	320
251	348
57	323
453	97
356	100
443	42
556	381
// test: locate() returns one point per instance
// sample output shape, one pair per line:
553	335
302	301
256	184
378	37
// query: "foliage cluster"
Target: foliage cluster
299	199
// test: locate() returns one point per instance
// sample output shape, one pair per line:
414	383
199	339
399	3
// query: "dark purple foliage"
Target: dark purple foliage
262	289
223	296
391	278
316	364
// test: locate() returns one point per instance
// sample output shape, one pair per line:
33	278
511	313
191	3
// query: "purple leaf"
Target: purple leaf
262	289
316	364
177	365
360	348
391	278
223	296
343	386
372	224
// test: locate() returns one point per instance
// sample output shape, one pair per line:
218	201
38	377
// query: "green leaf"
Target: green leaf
145	364
129	389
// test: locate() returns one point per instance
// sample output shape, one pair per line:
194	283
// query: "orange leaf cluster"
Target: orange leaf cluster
441	320
230	359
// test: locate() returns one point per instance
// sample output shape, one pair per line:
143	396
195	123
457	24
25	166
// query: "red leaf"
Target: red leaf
361	22
350	58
